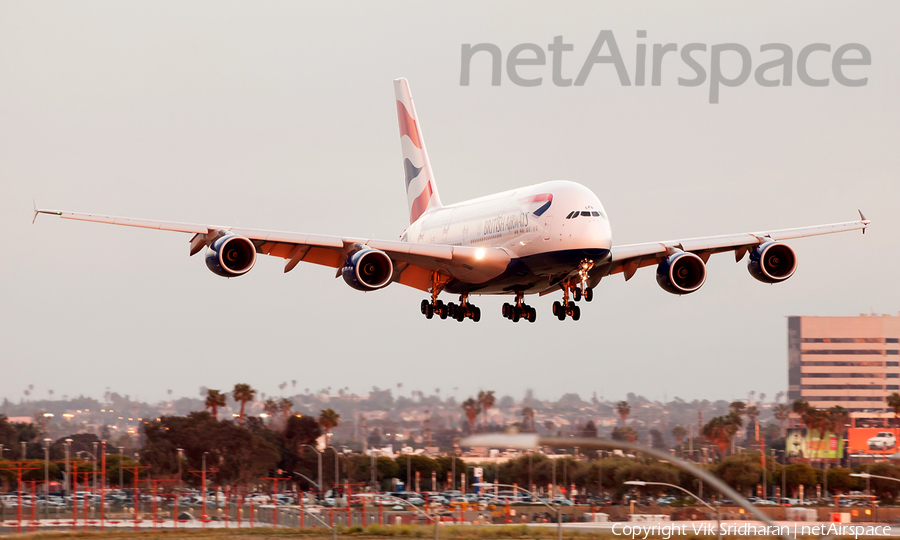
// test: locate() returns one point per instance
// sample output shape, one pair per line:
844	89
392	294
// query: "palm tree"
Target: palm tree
271	407
782	412
527	419
679	433
721	430
329	420
624	409
243	393
286	406
472	409
893	401
214	400
738	407
486	400
840	416
752	414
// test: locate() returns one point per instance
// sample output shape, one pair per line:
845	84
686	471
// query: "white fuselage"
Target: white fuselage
508	220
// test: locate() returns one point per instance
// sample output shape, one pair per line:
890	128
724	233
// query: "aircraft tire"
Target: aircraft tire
429	311
588	294
576	294
576	313
424	307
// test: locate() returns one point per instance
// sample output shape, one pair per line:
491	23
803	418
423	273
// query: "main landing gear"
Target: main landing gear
462	311
520	310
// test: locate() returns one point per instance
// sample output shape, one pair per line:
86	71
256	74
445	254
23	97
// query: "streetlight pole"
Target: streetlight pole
121	469
46	477
556	507
203	482
319	454
94	455
68	469
180	459
783	476
716	510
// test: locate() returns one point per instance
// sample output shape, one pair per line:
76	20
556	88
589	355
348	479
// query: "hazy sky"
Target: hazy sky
281	115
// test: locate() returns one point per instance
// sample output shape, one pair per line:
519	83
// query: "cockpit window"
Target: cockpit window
595	214
570	215
586	214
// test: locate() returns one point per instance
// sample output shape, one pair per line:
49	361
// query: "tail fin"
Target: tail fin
421	189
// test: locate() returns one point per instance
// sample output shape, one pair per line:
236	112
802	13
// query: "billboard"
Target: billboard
879	441
812	446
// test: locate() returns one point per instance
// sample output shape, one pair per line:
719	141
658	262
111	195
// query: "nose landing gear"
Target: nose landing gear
567	308
519	310
582	289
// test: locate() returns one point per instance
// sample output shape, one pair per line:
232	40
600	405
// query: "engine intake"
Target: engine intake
772	262
231	255
681	273
368	270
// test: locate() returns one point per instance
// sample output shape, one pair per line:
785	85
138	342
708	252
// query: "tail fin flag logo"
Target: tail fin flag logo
545	200
421	189
408	126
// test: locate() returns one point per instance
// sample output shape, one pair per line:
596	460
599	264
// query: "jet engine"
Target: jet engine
772	262
231	255
368	270
681	273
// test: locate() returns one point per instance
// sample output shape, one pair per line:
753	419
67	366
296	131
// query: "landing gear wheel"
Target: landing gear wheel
505	310
461	313
515	315
476	314
588	294
442	311
561	313
556	307
425	305
576	294
576	313
429	311
532	315
451	310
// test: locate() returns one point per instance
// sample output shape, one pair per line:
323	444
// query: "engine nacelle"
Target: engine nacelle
368	270
231	255
772	262
681	273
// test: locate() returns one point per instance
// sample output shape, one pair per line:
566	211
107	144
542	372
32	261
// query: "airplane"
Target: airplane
545	238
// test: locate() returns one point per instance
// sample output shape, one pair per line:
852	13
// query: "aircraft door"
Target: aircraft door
548	220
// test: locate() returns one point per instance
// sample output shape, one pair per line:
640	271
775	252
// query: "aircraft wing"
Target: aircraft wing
628	259
415	263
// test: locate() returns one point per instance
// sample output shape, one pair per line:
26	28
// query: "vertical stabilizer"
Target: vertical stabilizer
421	190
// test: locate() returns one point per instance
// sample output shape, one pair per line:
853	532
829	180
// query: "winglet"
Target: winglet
39	211
864	220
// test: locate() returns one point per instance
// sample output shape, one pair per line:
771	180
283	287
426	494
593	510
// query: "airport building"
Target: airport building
853	362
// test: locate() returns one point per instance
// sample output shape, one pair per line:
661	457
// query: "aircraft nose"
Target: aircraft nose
598	234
